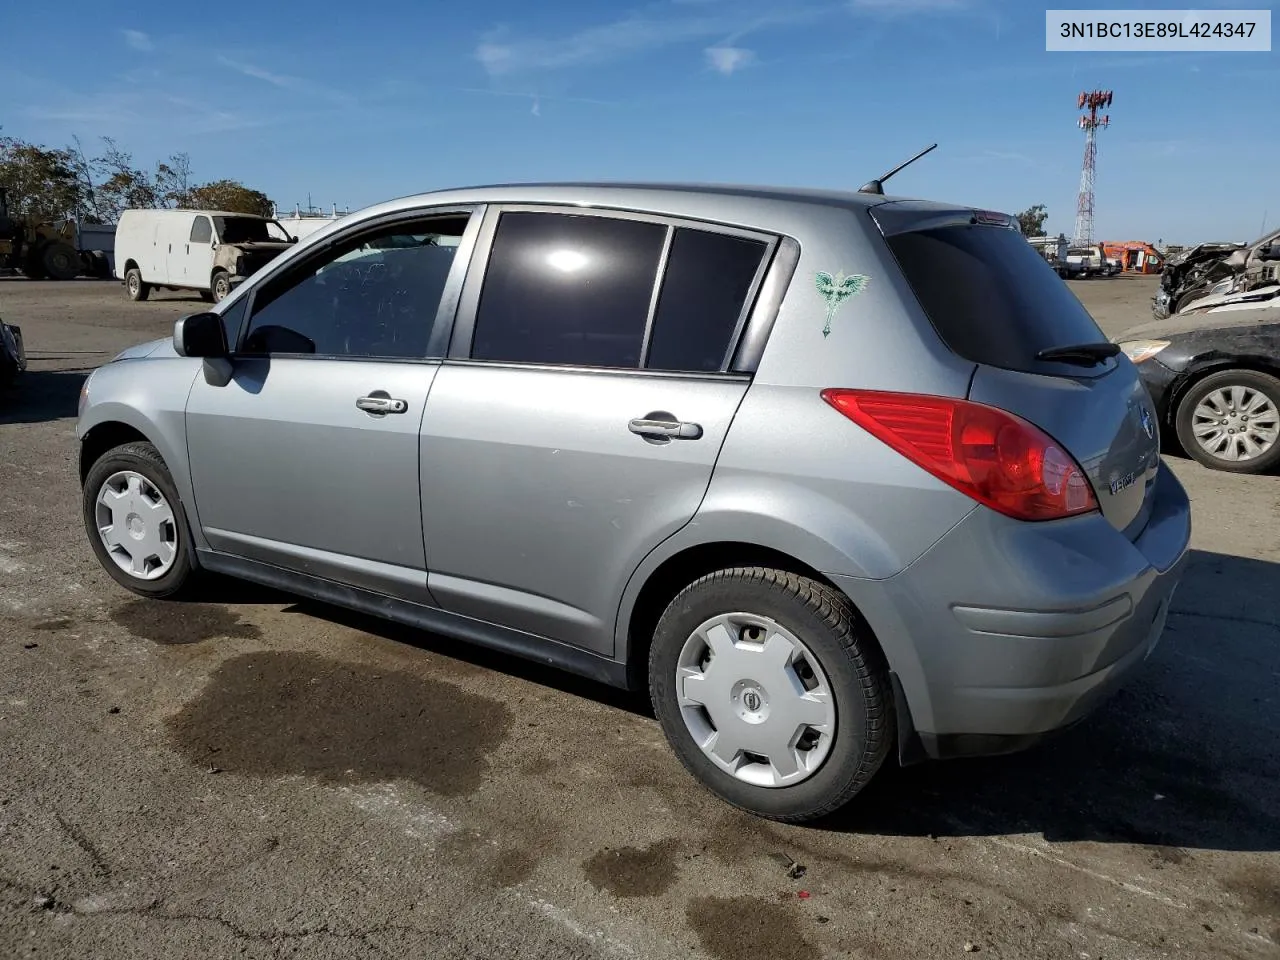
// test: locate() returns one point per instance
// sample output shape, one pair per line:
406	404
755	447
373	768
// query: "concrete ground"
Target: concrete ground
255	776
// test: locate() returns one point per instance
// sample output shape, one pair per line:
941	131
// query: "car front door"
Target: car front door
306	457
197	262
579	417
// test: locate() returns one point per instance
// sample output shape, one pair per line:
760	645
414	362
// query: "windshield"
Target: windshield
250	230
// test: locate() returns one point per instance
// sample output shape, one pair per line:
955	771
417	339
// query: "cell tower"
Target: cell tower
1091	102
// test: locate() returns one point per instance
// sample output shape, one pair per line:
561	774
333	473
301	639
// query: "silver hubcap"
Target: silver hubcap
1236	424
755	700
133	284
136	525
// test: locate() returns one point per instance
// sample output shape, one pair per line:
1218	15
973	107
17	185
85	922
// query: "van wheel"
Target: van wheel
206	296
61	261
771	692
134	285
1230	421
221	286
135	521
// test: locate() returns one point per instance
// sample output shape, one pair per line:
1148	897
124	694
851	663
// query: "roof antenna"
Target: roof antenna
877	186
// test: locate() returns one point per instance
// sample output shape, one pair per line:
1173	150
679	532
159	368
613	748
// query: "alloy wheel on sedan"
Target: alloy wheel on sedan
1236	423
1230	421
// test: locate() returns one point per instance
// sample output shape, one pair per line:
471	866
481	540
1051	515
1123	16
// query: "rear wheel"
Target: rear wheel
135	521
33	265
1230	421
221	286
207	296
771	692
134	286
61	261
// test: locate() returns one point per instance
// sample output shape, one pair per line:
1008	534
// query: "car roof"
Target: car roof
609	192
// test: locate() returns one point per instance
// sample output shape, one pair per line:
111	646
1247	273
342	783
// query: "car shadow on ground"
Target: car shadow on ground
37	396
218	589
1184	757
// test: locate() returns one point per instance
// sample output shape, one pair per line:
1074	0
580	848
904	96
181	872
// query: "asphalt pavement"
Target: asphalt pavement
258	776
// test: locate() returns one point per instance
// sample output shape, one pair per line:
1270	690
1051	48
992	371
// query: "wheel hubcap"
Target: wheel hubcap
133	284
755	700
137	525
1236	424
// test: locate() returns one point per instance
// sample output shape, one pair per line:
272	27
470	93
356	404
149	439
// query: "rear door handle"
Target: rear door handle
380	404
663	426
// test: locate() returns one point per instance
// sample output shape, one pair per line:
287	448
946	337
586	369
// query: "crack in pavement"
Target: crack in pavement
98	861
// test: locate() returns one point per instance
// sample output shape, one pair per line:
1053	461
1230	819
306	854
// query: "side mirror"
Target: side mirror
200	335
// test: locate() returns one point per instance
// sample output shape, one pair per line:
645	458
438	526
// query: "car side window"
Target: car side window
201	231
568	289
373	296
704	291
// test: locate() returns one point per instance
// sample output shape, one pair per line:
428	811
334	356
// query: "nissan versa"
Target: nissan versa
835	475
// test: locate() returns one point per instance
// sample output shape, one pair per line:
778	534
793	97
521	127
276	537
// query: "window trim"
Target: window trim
441	326
469	302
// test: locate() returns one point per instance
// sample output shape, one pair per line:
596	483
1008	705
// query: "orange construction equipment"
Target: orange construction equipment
1135	256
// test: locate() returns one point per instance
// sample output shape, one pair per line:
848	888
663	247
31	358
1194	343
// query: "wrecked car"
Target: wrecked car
1211	269
13	356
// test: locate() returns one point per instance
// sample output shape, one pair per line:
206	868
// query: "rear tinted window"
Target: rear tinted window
567	289
703	293
990	296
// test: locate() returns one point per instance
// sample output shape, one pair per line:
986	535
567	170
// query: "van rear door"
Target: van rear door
1040	355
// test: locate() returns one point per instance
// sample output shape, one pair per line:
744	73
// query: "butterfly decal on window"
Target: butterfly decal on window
836	290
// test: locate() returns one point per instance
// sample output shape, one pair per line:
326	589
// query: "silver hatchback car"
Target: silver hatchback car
835	475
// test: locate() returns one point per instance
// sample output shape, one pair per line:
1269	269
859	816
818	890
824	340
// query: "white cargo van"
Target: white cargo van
203	250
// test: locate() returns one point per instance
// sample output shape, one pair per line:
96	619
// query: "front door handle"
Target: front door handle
662	426
380	403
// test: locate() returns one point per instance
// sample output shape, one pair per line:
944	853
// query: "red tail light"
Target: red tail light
998	459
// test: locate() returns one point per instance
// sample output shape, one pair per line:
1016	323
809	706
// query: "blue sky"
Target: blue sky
358	102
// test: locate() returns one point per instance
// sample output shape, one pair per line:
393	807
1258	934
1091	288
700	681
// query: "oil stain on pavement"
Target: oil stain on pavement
176	623
747	928
634	871
269	714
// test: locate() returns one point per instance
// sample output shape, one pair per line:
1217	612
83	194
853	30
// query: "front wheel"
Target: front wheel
136	288
221	286
61	262
771	692
1230	421
135	521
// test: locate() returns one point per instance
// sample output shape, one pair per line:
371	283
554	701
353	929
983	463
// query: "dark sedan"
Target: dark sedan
1215	379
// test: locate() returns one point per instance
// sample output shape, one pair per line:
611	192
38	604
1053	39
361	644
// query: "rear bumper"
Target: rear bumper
1004	631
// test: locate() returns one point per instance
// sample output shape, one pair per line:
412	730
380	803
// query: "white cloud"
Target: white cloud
286	82
138	40
727	60
591	45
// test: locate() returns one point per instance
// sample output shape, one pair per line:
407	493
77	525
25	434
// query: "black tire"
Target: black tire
1184	417
61	261
220	286
142	458
1189	298
207	296
827	624
135	287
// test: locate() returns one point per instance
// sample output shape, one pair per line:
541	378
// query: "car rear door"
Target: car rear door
580	414
1040	354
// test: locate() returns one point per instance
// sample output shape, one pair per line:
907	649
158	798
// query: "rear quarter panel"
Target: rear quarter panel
798	477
